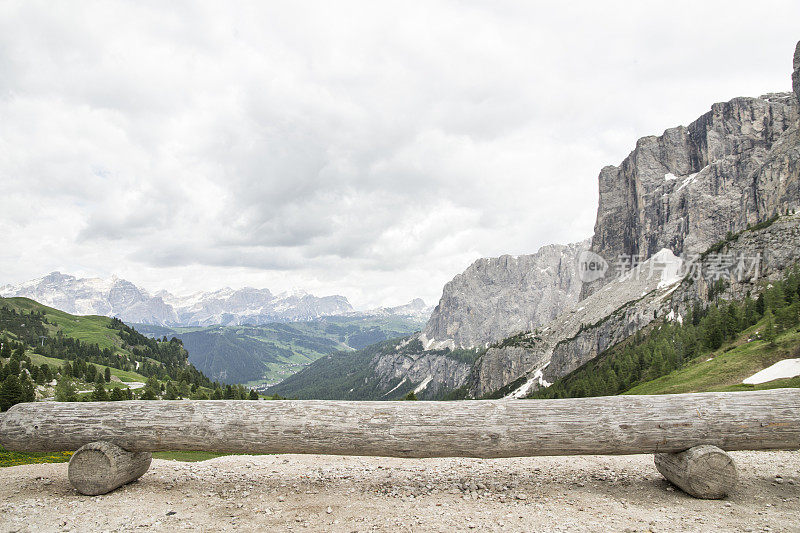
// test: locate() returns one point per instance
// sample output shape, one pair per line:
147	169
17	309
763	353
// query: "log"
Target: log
100	467
760	420
703	471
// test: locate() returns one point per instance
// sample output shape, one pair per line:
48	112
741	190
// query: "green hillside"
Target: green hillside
713	349
338	376
724	370
46	353
90	329
267	354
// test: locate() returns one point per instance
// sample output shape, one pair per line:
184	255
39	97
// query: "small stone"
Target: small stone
329	510
170	513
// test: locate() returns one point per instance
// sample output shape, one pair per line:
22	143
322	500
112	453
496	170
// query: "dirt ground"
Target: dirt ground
324	493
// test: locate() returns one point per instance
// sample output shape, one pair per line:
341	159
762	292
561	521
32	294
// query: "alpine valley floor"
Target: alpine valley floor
345	494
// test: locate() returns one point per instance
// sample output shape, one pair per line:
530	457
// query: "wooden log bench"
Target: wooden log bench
688	433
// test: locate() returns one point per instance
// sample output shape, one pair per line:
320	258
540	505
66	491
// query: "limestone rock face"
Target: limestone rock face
496	297
500	366
625	299
680	192
796	73
430	371
684	190
578	336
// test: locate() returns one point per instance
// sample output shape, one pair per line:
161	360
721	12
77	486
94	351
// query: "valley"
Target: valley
264	355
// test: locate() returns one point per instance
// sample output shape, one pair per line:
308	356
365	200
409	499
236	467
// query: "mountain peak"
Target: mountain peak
119	297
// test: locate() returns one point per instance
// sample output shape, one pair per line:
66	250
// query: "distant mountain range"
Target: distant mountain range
225	307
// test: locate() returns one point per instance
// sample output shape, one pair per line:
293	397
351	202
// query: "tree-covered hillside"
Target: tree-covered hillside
44	352
338	376
712	348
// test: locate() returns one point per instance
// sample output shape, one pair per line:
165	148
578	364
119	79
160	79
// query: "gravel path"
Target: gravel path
323	493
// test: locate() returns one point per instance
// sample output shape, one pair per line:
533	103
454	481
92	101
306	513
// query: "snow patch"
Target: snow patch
669	176
394	389
670	266
687	181
521	392
788	368
421	386
433	344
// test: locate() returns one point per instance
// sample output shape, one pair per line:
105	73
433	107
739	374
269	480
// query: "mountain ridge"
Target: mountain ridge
118	297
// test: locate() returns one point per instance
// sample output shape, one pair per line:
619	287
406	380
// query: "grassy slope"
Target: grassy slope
90	329
123	375
724	369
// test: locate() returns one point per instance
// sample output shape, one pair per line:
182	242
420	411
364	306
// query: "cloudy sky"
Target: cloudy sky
370	149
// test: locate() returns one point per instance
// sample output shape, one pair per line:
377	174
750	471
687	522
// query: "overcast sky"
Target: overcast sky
370	149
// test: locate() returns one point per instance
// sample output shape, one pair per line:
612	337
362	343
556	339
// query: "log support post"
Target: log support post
703	471
100	467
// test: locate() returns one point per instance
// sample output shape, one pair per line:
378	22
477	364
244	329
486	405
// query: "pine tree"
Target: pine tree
99	394
148	394
769	327
65	390
5	351
91	374
775	297
253	395
117	395
107	375
731	320
172	391
11	392
28	390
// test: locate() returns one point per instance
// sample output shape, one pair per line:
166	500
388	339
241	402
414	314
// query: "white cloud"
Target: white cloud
362	148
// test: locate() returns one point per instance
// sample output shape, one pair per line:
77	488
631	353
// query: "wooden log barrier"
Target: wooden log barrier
760	420
100	467
703	471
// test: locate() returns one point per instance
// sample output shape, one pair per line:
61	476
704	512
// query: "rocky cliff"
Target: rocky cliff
626	302
425	372
684	190
677	194
777	247
796	73
498	296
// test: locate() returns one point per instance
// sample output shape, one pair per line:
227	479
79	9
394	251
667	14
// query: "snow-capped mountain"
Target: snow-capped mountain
121	298
95	296
416	308
254	306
